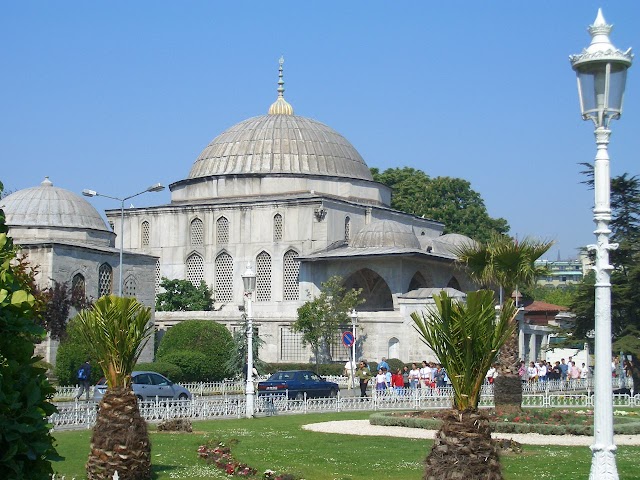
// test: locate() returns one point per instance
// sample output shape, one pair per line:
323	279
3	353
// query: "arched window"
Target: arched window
394	348
144	234
129	287
78	288
453	283
197	232
291	269
347	229
105	279
224	278
195	269
277	227
222	231
263	277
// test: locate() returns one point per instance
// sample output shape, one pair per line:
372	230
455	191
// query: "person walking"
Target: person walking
364	375
84	379
349	371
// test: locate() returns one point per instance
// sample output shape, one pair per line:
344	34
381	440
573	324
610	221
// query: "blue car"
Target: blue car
297	383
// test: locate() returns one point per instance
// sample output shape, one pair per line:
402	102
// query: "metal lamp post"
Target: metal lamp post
354	323
249	282
157	187
602	70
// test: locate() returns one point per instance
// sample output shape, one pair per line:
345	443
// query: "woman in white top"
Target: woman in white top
425	375
532	372
414	376
381	381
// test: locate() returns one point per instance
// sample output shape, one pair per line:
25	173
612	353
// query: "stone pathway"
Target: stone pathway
363	427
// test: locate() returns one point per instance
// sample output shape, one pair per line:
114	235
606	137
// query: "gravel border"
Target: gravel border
363	427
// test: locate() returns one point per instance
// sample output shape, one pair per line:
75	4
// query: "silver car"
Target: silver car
148	386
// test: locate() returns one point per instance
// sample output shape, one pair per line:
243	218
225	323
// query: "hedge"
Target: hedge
199	347
169	370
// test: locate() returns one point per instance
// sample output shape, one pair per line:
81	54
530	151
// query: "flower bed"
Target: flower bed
219	454
543	421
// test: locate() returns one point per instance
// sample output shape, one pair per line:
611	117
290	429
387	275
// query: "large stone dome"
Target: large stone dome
281	144
50	207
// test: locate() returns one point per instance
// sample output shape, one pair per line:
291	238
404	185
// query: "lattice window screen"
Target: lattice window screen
145	233
224	278
291	269
291	348
263	277
222	231
78	288
129	287
277	227
195	269
158	277
105	279
347	229
197	232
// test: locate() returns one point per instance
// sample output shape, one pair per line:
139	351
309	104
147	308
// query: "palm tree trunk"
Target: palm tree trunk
463	449
120	440
507	387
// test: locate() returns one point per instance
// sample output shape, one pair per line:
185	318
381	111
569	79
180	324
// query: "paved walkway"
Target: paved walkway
363	427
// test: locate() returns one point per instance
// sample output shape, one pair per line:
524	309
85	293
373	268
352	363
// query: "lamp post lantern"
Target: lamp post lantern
354	323
157	187
249	283
602	71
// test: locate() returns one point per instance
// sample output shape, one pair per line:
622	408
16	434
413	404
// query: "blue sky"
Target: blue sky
115	96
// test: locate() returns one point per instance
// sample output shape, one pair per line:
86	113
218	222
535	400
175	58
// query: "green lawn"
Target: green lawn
280	444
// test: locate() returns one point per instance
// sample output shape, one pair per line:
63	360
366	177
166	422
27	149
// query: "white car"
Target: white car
148	386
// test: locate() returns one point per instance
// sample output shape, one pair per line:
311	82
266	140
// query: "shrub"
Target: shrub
25	438
72	353
323	369
211	340
169	370
395	364
175	425
194	366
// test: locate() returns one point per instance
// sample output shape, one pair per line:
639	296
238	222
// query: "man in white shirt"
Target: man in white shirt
349	370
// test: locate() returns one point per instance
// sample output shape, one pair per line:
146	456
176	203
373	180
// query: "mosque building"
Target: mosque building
284	193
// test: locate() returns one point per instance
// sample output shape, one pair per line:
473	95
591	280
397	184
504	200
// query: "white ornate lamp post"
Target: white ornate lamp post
602	73
92	193
249	282
354	323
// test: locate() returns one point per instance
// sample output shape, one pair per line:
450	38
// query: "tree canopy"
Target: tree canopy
449	200
319	319
183	296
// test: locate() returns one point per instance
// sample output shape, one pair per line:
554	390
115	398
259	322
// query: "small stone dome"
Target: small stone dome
49	206
447	244
385	233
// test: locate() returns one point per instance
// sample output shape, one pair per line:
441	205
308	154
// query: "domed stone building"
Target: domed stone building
295	199
67	241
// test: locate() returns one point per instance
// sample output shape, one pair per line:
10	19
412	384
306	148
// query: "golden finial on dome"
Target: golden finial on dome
280	106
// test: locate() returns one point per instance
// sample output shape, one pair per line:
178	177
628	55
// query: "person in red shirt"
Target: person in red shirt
397	382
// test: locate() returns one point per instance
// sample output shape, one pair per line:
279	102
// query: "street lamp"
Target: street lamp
157	187
354	323
249	282
602	73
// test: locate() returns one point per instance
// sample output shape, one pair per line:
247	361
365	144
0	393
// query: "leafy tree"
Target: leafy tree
117	329
509	264
320	318
549	294
208	344
183	296
466	338
72	352
449	200
26	445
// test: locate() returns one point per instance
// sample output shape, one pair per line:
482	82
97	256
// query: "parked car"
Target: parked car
148	386
296	383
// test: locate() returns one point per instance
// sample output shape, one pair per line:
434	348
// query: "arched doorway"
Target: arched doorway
375	291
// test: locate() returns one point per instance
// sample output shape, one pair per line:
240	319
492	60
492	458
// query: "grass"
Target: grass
279	443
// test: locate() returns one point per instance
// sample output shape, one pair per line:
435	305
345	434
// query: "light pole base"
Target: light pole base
603	463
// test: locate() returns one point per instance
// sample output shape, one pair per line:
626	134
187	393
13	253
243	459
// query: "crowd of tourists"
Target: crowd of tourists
542	371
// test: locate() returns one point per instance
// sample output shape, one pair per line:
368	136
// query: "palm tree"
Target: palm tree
117	330
466	338
510	264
